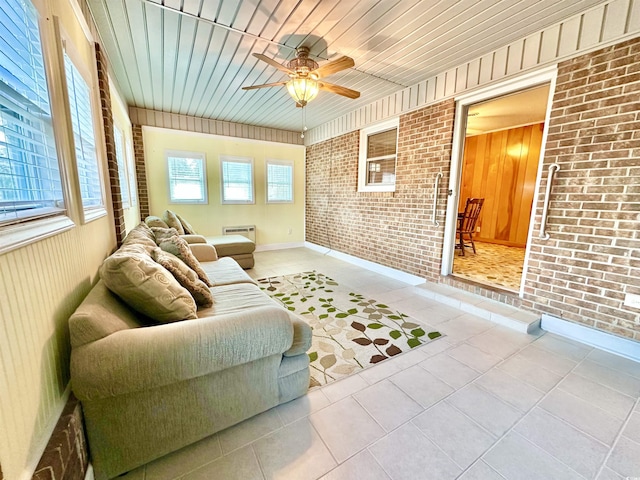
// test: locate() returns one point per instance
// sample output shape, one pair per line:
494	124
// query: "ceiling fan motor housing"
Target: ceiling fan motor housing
302	64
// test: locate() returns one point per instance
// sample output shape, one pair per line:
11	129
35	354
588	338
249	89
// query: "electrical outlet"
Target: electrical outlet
632	300
290	230
477	229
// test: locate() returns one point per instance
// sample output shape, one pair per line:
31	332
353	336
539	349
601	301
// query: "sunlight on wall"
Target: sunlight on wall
273	221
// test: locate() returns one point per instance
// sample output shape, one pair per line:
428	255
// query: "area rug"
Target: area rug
350	331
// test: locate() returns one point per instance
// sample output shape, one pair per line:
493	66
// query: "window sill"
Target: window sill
21	235
93	214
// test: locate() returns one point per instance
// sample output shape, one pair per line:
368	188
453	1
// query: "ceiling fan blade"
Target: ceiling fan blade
253	87
272	62
344	91
335	66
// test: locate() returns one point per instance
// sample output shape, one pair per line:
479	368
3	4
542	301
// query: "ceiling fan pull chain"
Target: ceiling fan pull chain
304	122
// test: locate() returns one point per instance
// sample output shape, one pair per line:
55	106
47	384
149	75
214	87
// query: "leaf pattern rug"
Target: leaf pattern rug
350	332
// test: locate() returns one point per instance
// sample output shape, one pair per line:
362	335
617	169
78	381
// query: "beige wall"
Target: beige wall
273	221
40	286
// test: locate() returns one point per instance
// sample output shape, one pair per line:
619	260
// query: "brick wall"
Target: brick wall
390	228
141	172
592	259
112	161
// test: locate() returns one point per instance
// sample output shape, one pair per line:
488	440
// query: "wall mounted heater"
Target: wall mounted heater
248	231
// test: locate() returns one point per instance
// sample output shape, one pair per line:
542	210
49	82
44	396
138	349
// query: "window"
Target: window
123	172
237	179
187	177
378	152
30	180
84	137
279	181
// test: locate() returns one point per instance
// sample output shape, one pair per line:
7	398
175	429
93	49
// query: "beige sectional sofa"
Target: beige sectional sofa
148	388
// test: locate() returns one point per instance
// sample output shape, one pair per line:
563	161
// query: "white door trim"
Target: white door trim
538	77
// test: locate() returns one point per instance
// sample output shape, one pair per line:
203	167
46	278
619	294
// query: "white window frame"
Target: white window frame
202	158
16	235
287	163
119	141
363	161
127	151
89	75
232	159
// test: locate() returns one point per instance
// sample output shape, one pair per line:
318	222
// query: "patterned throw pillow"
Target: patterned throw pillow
153	221
161	234
146	286
185	276
172	221
141	234
188	229
178	247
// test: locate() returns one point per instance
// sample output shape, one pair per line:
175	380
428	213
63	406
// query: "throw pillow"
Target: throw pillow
153	221
172	221
178	247
141	234
161	234
146	286
188	229
185	276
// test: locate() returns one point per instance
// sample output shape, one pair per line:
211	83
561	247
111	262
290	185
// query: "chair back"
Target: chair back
471	214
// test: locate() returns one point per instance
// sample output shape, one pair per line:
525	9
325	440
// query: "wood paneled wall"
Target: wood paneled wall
501	167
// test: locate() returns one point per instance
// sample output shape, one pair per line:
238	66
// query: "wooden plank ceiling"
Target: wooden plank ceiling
193	56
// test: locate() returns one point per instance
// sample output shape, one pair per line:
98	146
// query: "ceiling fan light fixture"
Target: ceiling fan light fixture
303	89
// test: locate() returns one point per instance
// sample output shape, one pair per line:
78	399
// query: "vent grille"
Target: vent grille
248	231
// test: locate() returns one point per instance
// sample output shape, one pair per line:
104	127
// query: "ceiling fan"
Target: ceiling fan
306	75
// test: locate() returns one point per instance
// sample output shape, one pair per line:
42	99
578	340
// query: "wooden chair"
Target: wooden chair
467	223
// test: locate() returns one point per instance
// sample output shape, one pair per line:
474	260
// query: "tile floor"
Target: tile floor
485	402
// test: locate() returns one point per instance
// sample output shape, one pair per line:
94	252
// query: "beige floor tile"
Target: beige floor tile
516	458
463	440
582	415
361	466
613	402
421	385
582	453
564	347
245	432
463	327
295	451
615	362
625	458
241	464
608	474
406	454
501	341
611	378
388	405
543	358
509	389
346	428
184	460
449	370
485	409
530	373
632	429
481	471
303	406
474	357
343	388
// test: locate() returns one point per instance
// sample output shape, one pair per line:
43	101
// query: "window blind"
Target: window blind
84	137
30	184
237	181
187	179
122	167
279	182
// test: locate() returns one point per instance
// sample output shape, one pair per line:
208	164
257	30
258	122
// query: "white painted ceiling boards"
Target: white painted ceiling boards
192	57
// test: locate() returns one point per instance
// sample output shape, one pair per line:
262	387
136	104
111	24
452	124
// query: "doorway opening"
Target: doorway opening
500	164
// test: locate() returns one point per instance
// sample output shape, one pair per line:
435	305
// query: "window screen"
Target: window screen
30	184
279	182
187	177
237	180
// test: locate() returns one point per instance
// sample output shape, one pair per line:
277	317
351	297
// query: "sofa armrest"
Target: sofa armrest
204	252
302	336
149	357
193	238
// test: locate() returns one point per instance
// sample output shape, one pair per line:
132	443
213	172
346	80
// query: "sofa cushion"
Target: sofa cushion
172	221
226	271
188	229
185	276
146	286
153	221
204	253
236	298
227	245
178	247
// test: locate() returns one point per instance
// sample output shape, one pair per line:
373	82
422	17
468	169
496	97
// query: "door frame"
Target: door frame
463	102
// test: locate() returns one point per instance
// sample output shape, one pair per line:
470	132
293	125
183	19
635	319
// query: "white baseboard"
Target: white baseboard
374	267
278	246
596	338
89	475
